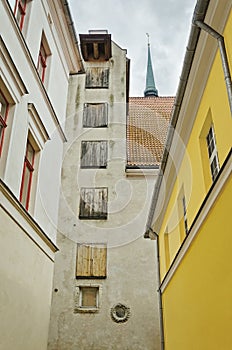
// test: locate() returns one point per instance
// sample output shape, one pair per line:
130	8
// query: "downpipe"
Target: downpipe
154	236
224	57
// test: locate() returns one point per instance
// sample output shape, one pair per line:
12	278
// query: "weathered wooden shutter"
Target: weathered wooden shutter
97	77
91	261
83	266
99	261
93	154
95	115
93	203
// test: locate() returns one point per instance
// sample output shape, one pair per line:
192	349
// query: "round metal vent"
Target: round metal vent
120	313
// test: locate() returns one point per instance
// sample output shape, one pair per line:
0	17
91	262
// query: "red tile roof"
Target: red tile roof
147	127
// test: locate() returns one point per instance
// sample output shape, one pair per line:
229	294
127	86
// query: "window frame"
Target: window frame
43	58
185	218
21	10
28	165
3	121
212	153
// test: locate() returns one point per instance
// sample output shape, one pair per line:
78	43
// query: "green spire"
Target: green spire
150	82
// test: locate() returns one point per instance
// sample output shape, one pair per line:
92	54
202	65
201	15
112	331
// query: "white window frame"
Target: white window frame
212	153
78	308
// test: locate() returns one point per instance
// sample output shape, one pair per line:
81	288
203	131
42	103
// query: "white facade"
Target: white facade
73	326
35	112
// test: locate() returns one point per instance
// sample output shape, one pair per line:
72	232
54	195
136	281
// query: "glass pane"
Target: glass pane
25	184
89	296
30	153
3	106
1	130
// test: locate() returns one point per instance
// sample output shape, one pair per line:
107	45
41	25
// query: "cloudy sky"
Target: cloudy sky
168	23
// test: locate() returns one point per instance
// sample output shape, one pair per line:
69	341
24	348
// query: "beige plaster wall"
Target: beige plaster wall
25	292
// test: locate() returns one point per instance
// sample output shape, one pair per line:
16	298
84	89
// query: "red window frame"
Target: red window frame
42	61
25	190
3	121
20	8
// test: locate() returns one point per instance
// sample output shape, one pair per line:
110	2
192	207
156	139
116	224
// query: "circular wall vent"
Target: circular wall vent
120	313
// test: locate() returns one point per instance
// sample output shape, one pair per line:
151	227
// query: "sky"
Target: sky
168	23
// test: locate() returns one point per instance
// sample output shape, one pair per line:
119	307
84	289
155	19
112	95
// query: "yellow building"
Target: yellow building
191	209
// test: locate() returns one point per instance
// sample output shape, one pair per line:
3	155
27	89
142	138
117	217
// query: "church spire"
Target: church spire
150	89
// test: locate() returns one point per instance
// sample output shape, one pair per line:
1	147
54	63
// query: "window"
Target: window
27	175
166	248
93	154
95	115
185	215
93	203
20	12
212	153
97	78
4	108
91	261
44	53
89	297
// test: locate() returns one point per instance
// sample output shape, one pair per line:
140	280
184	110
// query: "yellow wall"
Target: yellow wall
197	302
194	175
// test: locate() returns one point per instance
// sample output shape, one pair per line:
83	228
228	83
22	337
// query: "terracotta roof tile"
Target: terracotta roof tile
147	127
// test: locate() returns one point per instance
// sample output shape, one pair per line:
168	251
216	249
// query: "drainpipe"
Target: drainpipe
222	48
154	236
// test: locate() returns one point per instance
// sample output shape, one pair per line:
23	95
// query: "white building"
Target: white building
102	298
38	52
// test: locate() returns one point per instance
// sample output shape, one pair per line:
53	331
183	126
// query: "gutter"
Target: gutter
72	31
198	15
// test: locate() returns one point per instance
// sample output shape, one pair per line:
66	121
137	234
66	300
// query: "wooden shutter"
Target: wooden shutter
83	266
95	115
97	77
91	261
93	203
99	261
93	154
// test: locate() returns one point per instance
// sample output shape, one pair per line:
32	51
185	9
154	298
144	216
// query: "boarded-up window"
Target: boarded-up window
89	297
93	154
97	77
95	115
91	261
93	203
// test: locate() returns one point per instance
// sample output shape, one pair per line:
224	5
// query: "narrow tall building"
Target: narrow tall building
101	297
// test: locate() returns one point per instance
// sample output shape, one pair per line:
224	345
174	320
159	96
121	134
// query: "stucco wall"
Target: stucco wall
131	265
25	293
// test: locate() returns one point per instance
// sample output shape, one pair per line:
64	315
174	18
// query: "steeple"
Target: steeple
150	89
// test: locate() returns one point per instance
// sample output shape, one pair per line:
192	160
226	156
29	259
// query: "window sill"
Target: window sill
86	310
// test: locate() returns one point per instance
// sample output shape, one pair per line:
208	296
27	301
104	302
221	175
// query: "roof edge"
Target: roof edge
199	14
